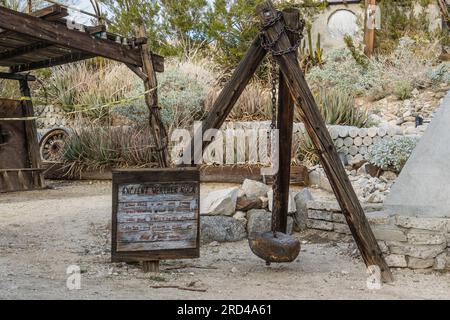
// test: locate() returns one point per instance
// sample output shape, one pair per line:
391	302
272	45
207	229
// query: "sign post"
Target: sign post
155	216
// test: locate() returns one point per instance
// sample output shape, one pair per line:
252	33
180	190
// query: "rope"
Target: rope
113	104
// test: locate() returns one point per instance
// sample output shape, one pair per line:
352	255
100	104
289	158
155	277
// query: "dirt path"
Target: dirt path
44	232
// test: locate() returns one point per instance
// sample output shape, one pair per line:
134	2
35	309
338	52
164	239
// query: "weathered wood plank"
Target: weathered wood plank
315	126
155	214
285	124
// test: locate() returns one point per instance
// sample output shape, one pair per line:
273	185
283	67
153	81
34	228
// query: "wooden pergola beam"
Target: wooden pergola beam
24	50
17	76
58	34
72	57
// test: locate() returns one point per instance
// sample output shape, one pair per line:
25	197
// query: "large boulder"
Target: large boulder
254	189
220	202
221	229
301	199
261	221
291	206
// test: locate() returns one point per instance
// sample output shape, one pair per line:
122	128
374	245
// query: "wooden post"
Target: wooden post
369	28
157	126
31	132
315	125
285	122
151	99
150	266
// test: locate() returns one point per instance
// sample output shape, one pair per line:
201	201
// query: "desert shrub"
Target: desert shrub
403	90
304	149
411	60
182	90
338	108
84	87
399	19
342	72
98	147
392	154
254	103
439	74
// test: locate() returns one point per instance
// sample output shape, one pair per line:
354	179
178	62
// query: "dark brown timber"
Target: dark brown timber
285	123
59	34
231	93
151	99
318	132
31	132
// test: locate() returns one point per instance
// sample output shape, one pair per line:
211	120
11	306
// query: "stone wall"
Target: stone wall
52	117
407	242
355	143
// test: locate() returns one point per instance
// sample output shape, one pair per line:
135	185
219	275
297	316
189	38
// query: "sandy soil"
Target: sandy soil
44	232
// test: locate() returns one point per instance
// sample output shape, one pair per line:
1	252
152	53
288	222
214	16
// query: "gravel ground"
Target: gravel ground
42	233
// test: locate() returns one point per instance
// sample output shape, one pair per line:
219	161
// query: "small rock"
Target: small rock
264	202
301	202
440	262
396	261
417	263
254	189
246	203
389	175
241	216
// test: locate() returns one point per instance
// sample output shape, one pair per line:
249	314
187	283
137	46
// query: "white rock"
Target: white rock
220	202
424	237
396	261
241	216
254	189
440	262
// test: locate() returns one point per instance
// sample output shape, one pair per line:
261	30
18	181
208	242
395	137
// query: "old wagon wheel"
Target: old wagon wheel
52	143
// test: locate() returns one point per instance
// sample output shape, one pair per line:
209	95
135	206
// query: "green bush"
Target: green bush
403	90
98	147
392	154
338	108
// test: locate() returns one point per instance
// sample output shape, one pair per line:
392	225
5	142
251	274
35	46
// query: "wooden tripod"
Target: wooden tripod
294	91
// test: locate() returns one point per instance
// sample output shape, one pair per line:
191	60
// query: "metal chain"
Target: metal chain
274	81
269	45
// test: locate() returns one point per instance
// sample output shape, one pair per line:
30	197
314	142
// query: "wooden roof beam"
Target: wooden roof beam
72	57
17	76
60	35
23	50
51	13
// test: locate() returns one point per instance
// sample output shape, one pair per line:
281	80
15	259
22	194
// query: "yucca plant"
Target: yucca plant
338	108
97	147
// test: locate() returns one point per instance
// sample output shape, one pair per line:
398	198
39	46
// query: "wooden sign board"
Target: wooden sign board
155	214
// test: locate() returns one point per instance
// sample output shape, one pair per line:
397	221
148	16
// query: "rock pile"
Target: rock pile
232	214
